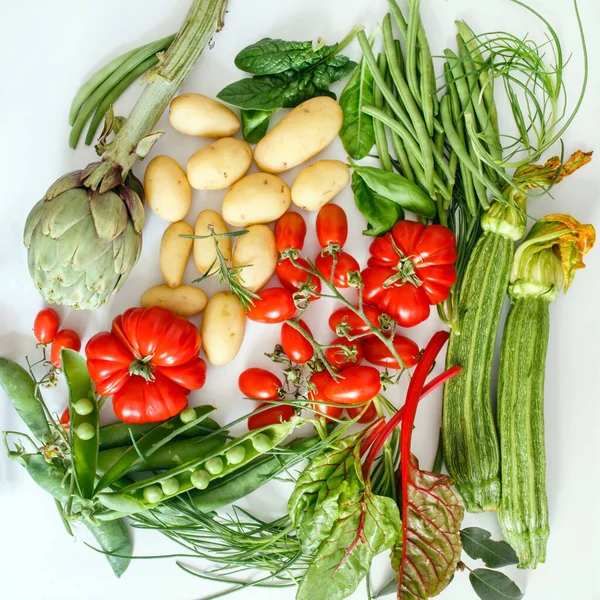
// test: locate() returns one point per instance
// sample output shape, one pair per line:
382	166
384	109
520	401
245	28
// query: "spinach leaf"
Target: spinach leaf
332	70
495	554
255	124
493	585
380	213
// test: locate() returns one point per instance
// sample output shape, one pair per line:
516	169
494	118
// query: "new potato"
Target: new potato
167	189
256	198
195	114
204	250
223	328
319	183
185	300
219	165
258	249
175	252
304	132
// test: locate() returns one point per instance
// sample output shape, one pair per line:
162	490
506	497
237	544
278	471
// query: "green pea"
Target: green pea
83	407
153	494
214	465
200	479
261	442
236	455
187	415
85	431
170	486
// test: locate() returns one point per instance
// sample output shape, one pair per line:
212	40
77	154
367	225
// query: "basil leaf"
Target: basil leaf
380	213
493	585
495	554
255	124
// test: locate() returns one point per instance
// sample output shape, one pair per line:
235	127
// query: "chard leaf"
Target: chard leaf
391	587
478	545
255	124
493	585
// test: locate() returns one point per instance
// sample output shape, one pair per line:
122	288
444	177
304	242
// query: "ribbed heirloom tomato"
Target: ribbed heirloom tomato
148	363
410	269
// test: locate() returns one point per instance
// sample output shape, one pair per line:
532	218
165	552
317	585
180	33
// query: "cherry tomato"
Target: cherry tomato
45	325
336	357
327	411
295	345
320	379
290	231
291	276
377	353
275	305
332	226
345	263
368	416
65	338
277	414
259	384
356	325
355	386
65	418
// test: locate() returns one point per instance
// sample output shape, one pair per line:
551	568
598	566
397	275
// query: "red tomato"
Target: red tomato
345	263
368	416
411	268
332	226
377	353
148	362
291	276
356	324
290	231
259	384
355	386
327	411
45	325
336	357
279	413
320	379
65	338
275	305
295	345
65	418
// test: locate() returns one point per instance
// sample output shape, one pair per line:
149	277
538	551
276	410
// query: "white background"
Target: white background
49	48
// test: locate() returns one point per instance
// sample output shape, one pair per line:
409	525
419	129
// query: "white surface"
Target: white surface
48	49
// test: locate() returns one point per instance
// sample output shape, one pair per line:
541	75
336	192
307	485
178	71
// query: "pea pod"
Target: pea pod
84	424
49	476
113	538
20	388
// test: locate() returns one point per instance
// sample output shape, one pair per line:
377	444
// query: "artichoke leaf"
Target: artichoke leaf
63	184
134	205
44	251
110	214
32	221
64	212
101	275
80	246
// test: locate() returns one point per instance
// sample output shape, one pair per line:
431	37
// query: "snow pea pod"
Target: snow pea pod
113	538
49	476
20	388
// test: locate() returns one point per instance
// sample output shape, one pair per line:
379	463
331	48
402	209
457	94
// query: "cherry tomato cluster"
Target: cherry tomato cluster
46	331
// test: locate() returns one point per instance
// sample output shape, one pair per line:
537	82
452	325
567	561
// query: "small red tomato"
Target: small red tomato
45	325
279	413
356	385
65	338
345	263
65	418
259	384
368	416
337	358
275	305
327	411
295	345
292	277
332	226
377	353
320	379
290	231
356	325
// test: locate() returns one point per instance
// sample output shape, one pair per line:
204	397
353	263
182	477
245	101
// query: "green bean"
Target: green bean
20	389
453	164
399	149
438	140
411	50
399	19
381	141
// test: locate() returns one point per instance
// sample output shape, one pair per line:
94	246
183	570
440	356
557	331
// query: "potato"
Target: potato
223	328
219	164
175	252
257	198
319	183
304	132
204	250
185	300
256	248
195	114
167	189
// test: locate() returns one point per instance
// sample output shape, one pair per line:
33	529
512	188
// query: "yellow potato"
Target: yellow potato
195	114
257	198
204	250
185	300
319	183
256	248
175	252
223	328
219	165
304	132
167	189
